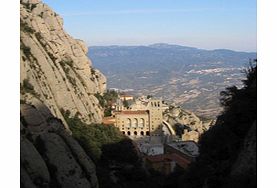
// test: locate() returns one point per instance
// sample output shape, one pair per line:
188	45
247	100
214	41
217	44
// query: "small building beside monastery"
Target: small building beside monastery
126	97
185	149
166	163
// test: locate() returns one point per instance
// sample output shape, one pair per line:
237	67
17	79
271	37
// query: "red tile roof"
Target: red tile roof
169	157
126	96
108	120
133	112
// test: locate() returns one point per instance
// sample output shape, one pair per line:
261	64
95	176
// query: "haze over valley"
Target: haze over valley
186	76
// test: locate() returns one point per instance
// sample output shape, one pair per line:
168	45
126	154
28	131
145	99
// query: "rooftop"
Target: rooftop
108	120
126	96
188	147
169	157
132	112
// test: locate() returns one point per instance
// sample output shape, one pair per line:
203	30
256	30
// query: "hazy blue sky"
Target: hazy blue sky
207	24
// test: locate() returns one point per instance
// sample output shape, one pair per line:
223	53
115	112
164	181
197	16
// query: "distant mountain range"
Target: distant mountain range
187	76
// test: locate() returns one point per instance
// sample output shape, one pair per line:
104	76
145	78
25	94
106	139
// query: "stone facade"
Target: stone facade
133	123
144	118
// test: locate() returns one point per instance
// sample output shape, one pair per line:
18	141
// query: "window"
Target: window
128	123
141	133
135	123
141	123
129	133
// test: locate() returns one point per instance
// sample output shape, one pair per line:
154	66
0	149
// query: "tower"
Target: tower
155	117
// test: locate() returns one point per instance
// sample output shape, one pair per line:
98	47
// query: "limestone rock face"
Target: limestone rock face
54	67
194	126
190	135
49	156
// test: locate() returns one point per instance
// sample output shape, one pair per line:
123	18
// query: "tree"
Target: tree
125	103
221	145
149	96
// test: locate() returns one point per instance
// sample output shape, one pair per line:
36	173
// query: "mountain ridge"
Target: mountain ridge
169	45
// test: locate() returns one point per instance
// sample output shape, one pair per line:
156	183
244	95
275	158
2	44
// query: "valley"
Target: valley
188	77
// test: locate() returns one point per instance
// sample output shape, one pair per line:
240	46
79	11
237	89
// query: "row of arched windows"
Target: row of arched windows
135	123
156	104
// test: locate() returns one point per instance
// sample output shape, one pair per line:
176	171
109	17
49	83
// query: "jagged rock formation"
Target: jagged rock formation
49	156
54	67
194	127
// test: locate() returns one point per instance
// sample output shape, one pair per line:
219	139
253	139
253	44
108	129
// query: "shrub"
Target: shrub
26	50
92	137
25	28
52	57
100	99
63	63
92	71
38	36
27	85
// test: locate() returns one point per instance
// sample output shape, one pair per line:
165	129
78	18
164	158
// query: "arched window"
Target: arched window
123	132
135	125
135	133
129	123
141	133
129	133
141	122
147	133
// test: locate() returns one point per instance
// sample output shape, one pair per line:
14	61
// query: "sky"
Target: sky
212	24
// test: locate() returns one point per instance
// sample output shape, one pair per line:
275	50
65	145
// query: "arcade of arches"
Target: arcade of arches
141	122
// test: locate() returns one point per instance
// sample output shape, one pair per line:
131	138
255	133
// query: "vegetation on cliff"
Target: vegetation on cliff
112	153
93	136
106	100
222	145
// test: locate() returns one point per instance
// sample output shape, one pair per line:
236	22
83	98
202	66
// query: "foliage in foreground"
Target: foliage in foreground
222	144
92	137
111	152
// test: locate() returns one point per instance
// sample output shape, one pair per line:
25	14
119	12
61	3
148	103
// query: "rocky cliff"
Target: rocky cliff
54	67
189	125
49	156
